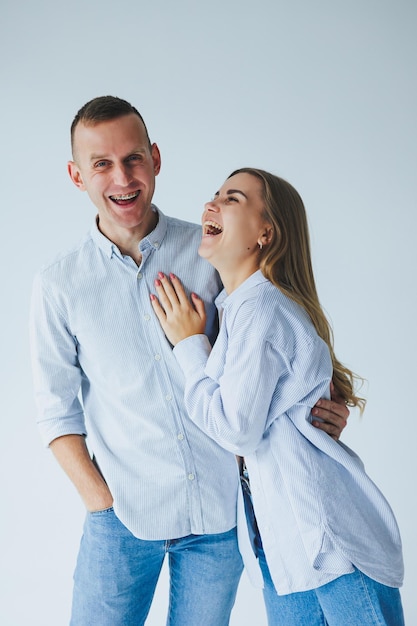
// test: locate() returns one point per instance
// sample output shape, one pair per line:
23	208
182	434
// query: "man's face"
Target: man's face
115	165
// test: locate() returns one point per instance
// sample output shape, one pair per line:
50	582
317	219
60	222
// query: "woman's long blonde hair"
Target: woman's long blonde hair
286	262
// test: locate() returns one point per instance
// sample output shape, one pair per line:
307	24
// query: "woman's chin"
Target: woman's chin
206	251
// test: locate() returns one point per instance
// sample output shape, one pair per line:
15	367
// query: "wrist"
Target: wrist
98	503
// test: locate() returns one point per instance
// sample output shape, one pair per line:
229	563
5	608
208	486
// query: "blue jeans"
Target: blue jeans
116	576
350	600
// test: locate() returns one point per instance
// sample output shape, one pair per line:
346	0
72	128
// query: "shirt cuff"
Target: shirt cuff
51	429
192	352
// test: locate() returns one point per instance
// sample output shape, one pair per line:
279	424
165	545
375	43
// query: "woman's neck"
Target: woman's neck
232	278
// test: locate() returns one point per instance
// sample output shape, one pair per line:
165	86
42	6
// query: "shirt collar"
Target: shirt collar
224	300
153	240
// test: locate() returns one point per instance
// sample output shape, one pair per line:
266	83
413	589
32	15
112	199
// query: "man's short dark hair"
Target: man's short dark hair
102	109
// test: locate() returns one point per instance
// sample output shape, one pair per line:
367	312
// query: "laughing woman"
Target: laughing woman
324	536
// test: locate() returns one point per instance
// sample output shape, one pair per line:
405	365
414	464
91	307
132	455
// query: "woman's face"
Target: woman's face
233	222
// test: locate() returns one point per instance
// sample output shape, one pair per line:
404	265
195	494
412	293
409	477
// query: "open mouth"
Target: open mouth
212	228
125	198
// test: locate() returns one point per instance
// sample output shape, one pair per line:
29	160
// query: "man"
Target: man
151	481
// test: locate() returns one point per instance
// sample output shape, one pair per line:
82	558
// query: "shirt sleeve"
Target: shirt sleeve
56	372
234	411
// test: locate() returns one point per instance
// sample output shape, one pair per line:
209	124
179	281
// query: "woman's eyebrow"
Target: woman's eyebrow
230	191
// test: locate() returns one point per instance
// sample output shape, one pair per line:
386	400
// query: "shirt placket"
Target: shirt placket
158	352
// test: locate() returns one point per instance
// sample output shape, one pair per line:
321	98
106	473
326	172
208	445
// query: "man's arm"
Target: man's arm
334	412
73	456
57	380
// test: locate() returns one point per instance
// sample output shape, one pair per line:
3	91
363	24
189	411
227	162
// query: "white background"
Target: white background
320	92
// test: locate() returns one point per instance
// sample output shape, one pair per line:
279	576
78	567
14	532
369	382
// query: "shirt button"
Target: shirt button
156	244
139	275
157	357
181	437
168	397
147	317
190	476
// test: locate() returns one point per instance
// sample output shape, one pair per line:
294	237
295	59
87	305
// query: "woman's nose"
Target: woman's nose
211	206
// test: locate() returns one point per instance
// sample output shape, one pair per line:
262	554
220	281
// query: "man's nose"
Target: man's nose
121	175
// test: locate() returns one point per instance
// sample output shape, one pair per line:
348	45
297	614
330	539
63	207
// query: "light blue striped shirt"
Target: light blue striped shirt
103	366
317	510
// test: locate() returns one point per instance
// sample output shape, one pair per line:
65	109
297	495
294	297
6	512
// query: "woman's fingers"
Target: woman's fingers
159	311
179	289
170	291
199	306
179	318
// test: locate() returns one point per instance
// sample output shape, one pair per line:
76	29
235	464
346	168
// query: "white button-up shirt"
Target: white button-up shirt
318	512
103	368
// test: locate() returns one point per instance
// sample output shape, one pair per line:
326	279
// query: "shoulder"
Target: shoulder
181	242
179	227
266	312
289	319
65	261
182	225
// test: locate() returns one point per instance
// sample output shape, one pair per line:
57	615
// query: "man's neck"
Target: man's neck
128	240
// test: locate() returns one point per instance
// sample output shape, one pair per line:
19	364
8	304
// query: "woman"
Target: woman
324	536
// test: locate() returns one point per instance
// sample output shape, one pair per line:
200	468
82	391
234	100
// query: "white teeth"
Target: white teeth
212	228
126	196
215	224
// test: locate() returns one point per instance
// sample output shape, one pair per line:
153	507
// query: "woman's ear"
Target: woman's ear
266	235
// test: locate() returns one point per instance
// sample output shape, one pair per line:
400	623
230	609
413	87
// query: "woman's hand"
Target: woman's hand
178	317
333	414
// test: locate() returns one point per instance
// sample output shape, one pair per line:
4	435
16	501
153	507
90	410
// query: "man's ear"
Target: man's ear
75	175
156	158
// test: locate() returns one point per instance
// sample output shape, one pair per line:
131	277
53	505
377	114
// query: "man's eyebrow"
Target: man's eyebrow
104	157
97	157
